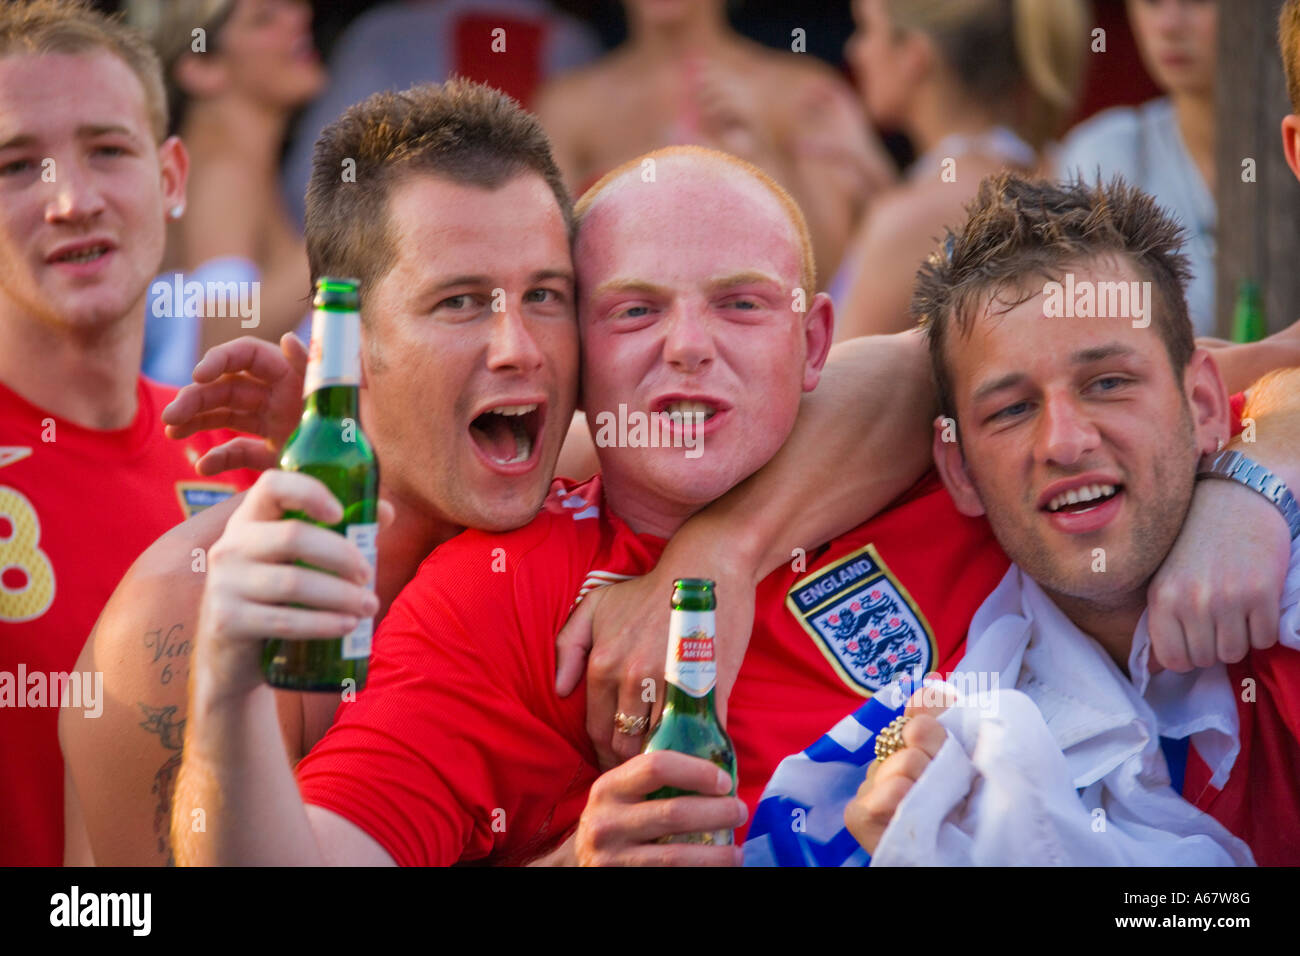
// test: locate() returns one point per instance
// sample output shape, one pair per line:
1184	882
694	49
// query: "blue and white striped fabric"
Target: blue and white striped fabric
1056	739
799	820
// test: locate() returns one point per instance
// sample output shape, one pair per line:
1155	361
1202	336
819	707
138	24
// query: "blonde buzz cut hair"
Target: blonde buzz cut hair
807	265
73	26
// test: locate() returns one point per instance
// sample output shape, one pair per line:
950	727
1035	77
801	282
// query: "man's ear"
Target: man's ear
1207	398
1291	142
818	330
951	465
174	166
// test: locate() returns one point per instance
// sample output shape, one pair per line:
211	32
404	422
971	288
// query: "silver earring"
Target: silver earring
1219	447
177	210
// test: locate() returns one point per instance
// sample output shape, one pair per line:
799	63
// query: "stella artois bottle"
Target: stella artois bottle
689	720
328	444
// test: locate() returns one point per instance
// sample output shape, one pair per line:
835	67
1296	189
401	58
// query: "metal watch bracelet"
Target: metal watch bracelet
1234	466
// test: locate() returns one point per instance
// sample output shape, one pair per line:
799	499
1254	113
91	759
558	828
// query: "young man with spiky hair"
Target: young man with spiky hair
459	749
1082	438
88	179
456	225
439	200
686	297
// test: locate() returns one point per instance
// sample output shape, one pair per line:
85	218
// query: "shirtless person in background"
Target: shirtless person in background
685	76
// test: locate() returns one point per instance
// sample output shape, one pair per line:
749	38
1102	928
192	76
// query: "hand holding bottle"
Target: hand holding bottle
253	577
620	827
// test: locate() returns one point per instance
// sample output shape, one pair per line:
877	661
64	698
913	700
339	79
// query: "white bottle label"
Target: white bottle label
334	357
691	665
357	644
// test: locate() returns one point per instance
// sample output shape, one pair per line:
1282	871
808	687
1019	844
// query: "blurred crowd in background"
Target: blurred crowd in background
880	117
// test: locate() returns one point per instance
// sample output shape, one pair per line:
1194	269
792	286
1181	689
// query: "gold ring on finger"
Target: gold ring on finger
629	725
890	740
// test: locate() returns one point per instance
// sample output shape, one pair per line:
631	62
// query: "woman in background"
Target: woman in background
684	75
1165	146
977	86
231	91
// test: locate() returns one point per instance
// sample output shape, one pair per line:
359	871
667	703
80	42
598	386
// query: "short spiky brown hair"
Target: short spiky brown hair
465	132
1021	229
73	26
1288	39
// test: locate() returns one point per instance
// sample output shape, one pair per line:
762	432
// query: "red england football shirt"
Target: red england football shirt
459	749
903	585
1260	802
77	507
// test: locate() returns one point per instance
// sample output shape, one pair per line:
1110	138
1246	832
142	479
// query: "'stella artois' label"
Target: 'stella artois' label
691	665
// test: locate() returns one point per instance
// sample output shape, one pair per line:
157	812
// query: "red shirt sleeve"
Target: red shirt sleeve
458	749
1237	405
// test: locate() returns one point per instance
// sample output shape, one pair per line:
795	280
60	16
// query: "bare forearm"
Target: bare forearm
236	800
861	439
1242	365
76	841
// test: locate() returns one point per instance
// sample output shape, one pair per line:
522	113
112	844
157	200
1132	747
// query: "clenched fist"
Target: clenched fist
888	781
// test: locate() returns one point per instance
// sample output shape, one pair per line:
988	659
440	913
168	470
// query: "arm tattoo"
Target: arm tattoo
162	721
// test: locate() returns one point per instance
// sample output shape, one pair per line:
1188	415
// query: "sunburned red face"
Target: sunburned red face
695	361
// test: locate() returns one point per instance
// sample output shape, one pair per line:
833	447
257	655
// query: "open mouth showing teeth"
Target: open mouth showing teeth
507	433
1077	500
81	256
690	411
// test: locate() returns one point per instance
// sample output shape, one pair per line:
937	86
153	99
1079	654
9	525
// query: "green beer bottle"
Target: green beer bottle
1248	313
328	444
689	721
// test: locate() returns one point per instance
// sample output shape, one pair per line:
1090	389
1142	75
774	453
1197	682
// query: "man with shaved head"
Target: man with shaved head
690	267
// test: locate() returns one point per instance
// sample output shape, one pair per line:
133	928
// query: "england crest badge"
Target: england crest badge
864	621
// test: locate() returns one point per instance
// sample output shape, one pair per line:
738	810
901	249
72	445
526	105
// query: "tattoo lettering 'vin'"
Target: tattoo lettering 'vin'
170	647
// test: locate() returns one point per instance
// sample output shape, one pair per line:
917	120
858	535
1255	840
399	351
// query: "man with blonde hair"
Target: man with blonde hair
440	359
459	749
685	306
